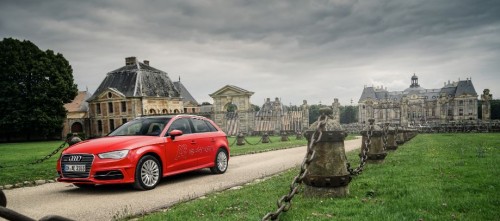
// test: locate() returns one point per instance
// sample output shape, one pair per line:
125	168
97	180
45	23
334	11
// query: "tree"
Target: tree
34	85
314	112
348	114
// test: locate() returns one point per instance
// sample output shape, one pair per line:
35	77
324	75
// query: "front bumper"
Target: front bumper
98	171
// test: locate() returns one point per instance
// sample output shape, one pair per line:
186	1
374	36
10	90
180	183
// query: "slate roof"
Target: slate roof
79	104
138	80
465	87
186	96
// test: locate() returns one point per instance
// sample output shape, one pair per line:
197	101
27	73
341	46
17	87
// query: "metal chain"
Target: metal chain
285	202
364	151
234	141
385	135
41	159
258	142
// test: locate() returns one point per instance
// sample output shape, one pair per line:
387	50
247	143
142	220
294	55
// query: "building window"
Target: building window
124	106
98	108
111	124
110	95
461	112
192	110
450	112
152	111
433	112
124	120
110	107
164	111
99	125
460	102
185	110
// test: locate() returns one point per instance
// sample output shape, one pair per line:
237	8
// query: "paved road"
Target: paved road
108	202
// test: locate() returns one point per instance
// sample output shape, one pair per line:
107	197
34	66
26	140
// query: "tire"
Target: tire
147	173
221	162
3	199
83	186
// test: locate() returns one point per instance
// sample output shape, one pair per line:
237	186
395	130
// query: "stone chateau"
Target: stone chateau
454	102
134	90
137	89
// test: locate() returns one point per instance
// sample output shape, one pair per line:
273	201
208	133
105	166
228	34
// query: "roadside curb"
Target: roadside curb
26	184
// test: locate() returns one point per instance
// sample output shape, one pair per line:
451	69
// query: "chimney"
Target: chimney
130	60
146	62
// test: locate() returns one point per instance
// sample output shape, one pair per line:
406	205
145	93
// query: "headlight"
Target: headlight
119	154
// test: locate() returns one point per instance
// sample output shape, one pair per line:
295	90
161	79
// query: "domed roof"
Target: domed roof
414	77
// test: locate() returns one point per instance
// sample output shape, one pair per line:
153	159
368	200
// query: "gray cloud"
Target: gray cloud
314	50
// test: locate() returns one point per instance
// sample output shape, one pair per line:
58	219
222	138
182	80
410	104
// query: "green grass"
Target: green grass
433	177
15	158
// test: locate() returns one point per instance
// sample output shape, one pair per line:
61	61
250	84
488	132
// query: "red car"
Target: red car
144	150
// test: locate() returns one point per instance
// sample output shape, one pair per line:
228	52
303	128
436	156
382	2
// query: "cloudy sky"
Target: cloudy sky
313	50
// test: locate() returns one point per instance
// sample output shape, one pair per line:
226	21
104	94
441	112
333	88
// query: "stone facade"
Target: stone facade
134	90
234	113
455	101
77	120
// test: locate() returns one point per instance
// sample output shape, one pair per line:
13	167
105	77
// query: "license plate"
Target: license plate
74	168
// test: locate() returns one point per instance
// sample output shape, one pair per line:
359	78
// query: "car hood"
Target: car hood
107	144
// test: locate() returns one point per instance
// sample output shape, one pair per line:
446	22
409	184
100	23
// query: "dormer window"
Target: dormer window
110	95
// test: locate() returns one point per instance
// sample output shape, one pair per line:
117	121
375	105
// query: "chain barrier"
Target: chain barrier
364	151
385	130
258	142
38	161
285	202
234	141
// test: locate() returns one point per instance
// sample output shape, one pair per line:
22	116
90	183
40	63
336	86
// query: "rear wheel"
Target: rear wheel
147	173
221	162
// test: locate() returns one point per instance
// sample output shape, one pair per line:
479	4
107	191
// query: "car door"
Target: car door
205	140
179	150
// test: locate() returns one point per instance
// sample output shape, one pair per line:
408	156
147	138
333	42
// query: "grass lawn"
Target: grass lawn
432	177
15	156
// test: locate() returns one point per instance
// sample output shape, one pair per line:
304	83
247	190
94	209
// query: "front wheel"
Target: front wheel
221	162
147	173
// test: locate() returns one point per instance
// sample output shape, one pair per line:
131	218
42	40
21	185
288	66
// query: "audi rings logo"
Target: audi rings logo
74	158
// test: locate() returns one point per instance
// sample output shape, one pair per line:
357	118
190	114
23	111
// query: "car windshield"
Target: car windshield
141	127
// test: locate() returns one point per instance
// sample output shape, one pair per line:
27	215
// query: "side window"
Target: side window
212	128
200	126
181	124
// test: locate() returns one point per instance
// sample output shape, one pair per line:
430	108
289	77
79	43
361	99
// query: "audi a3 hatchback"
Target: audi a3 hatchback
144	150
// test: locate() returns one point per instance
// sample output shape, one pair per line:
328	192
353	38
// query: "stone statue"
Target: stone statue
486	98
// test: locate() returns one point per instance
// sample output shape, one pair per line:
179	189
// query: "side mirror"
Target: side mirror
175	133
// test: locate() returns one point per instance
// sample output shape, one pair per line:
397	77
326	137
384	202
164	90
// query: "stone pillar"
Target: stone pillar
376	152
265	138
284	136
486	105
328	175
391	139
240	139
336	110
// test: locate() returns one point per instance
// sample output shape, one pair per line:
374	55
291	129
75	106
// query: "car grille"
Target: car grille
77	159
